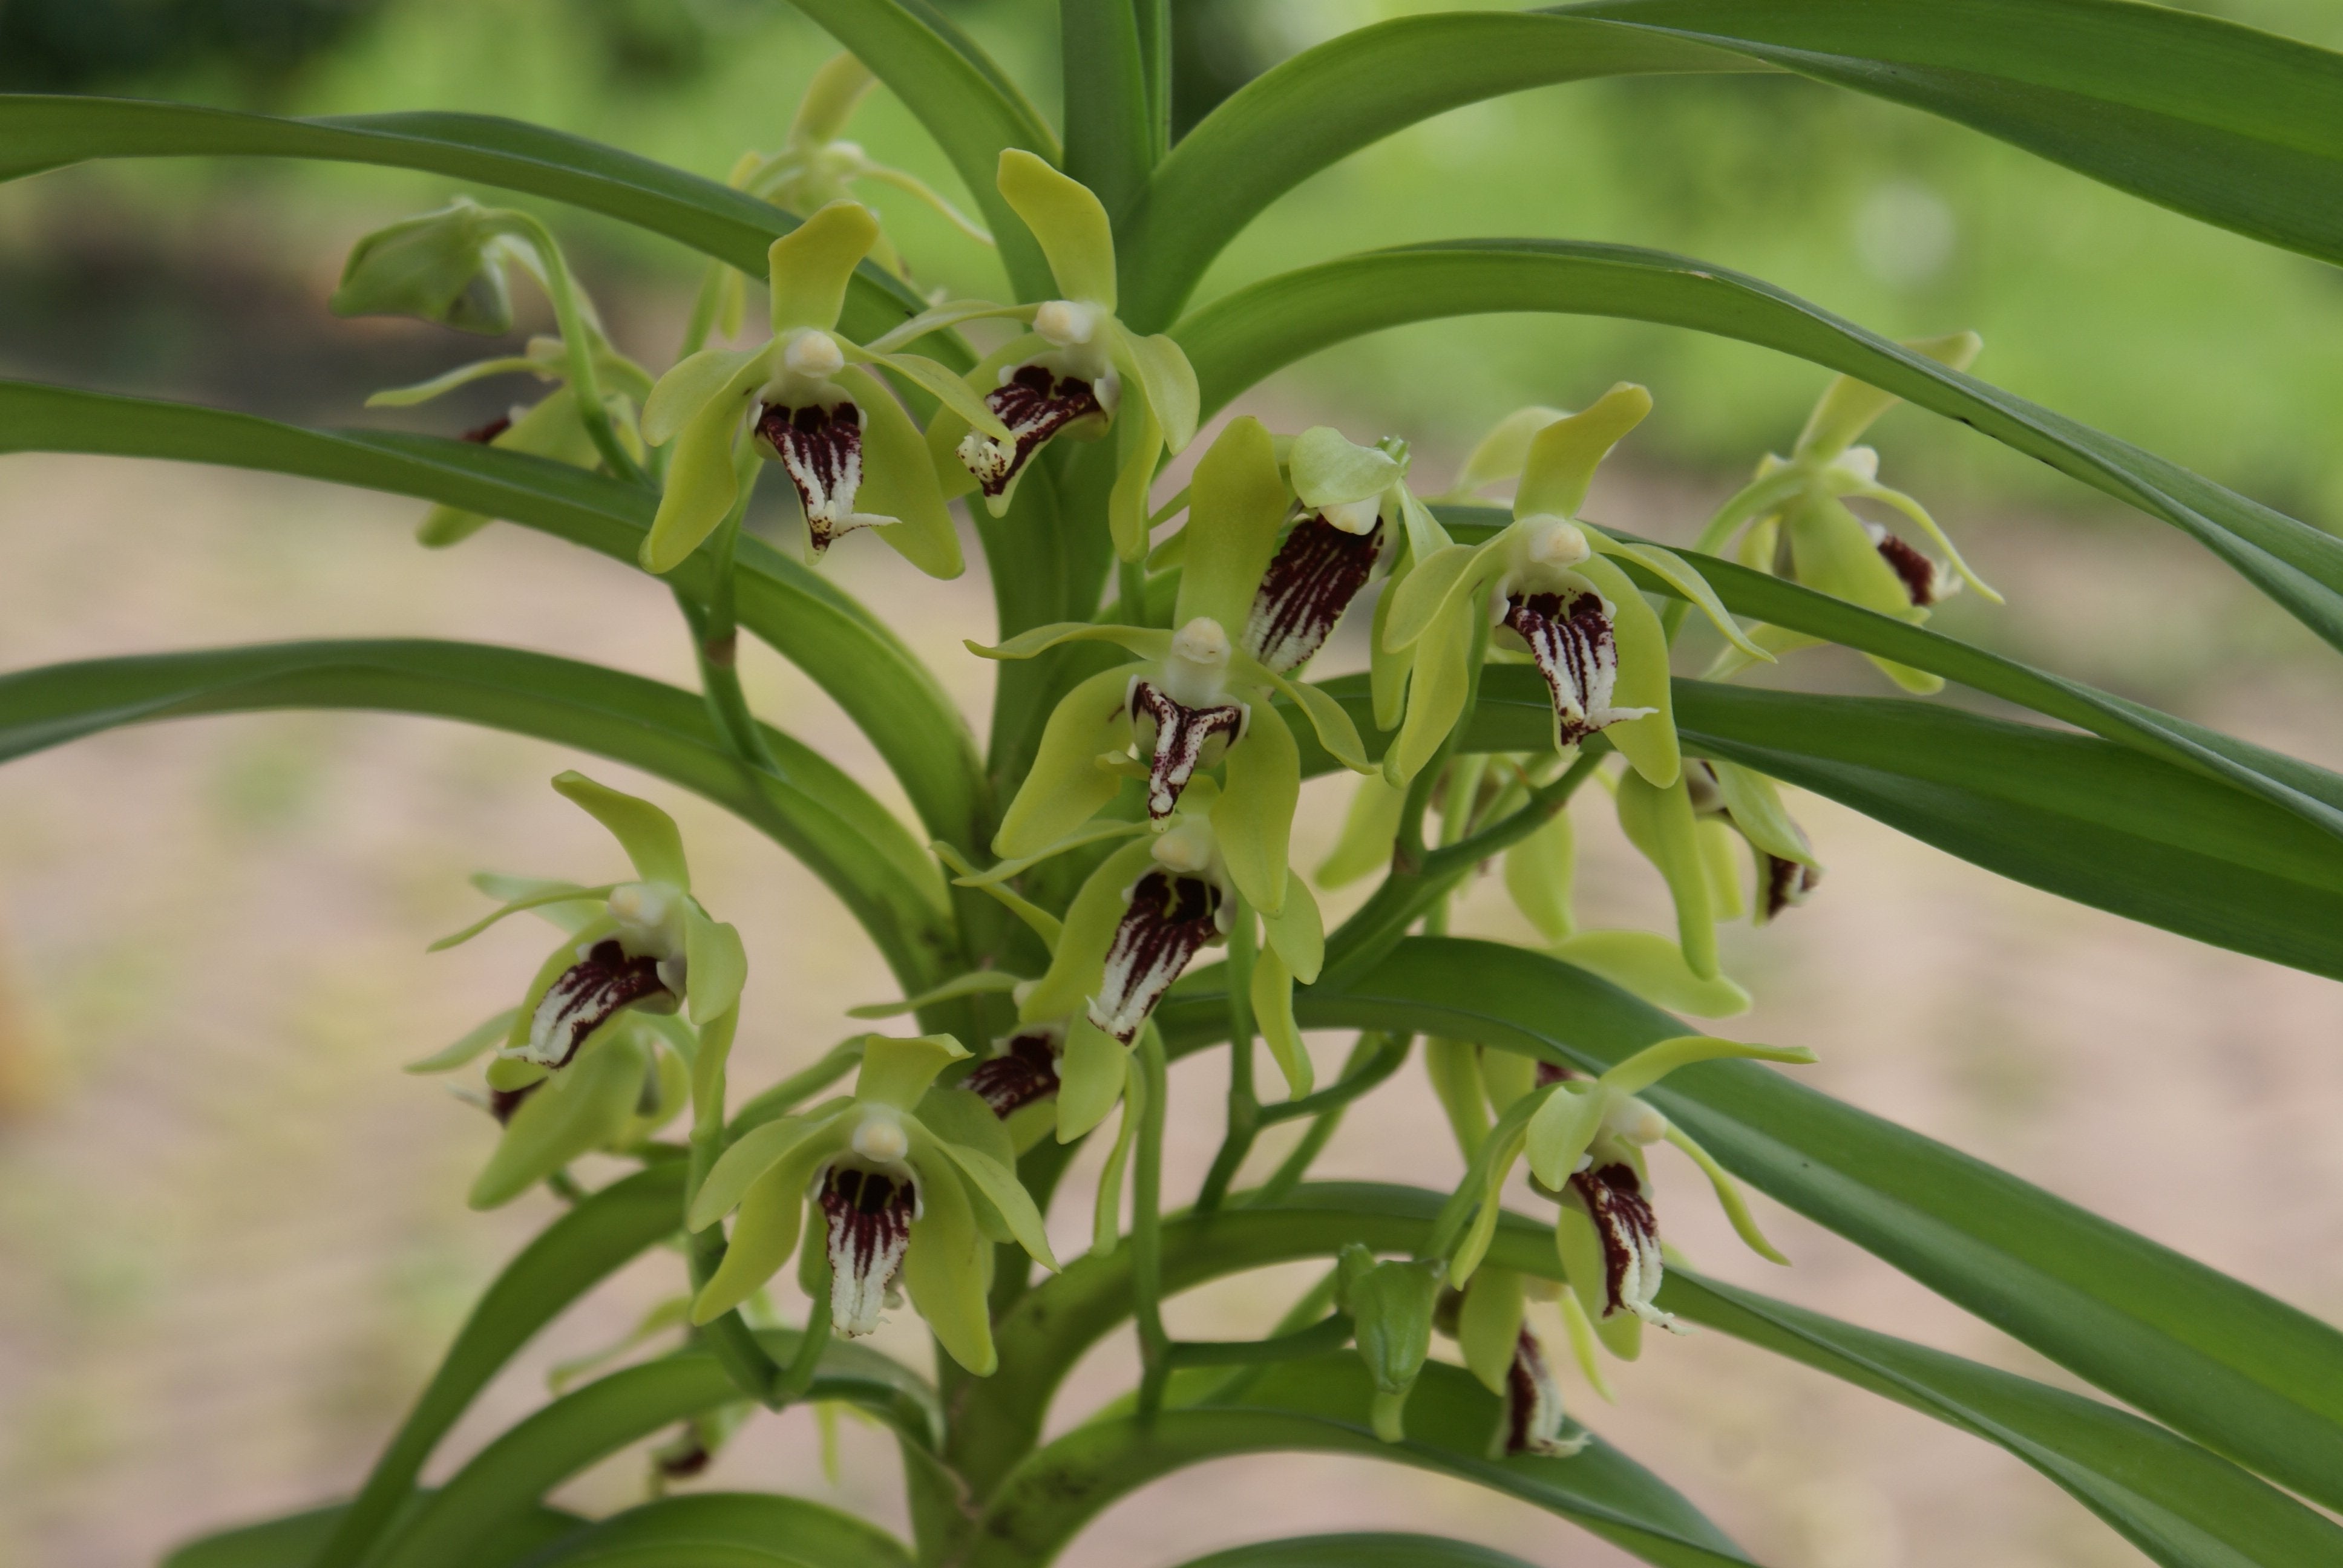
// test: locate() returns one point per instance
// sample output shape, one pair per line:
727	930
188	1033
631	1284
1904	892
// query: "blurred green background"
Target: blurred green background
206	278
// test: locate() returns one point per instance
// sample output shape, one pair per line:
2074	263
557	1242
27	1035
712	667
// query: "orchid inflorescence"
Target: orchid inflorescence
1169	781
1172	779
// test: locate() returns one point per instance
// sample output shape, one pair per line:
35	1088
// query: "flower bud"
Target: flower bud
442	266
1391	1306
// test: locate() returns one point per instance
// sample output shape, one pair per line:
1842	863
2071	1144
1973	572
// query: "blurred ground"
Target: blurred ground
232	1238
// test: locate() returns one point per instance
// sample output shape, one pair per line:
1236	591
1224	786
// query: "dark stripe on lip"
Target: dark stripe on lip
1035	404
1319	570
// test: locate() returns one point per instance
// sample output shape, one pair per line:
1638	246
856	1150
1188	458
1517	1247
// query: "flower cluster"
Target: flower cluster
1156	815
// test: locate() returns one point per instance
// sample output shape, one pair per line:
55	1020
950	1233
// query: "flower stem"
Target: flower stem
578	337
1244	1105
1147	1220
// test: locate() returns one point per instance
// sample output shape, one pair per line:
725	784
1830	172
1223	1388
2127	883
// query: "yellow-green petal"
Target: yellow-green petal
582	1109
897	1072
702	483
1368	830
999	1183
684	392
1650	742
1653	1063
716	964
1329	469
793	1140
1561	1131
1297	933
1499	454
1847	407
899	482
1489	1325
1539	872
1139	448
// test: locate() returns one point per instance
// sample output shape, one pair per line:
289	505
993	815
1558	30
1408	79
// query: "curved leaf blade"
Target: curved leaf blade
2226	123
810	807
845	649
1364	1551
40	132
2237	1370
293	1540
584	1247
1236	340
806	1532
1320	1406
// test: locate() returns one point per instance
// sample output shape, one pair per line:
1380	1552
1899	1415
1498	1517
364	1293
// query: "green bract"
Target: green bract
1151	730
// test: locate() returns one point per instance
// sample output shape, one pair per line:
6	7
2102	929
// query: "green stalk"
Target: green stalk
578	337
1147	1220
1244	1105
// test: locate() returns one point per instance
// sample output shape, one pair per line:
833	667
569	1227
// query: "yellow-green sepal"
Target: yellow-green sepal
1297	932
1091	1078
648	835
1756	807
1253	817
1563	457
1718	845
945	1271
688	390
1066	787
716	964
897	1072
542	895
1847	407
1653	968
1660	823
702	479
1539	873
1678	574
1271	993
1438	679
1236	502
1489	1325
444	266
992	1178
1387	668
939	381
946	428
582	1109
1328	469
1139	445
1148	643
795	1142
1078	965
1067	220
1506	1077
1729	1199
550	430
1369	829
809	268
1499	455
1166	382
772	1214
481	1037
899	482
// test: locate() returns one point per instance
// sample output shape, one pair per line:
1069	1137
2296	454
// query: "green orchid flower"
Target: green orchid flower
1073	373
621	1086
1548	584
645	946
1133	926
1489	1321
1585	1139
1193	700
1792	520
815	167
1730	800
813	404
1355	514
551	427
900	1177
449	266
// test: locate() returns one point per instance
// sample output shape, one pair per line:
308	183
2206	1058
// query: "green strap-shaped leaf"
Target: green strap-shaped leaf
1378	1550
810	808
798	1530
294	1541
2088	820
1236	340
2237	1370
967	104
39	131
2309	791
1320	1406
2157	1488
842	648
2228	125
2176	1502
505	1479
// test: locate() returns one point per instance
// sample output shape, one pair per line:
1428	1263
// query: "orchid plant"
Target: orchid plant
1109	885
